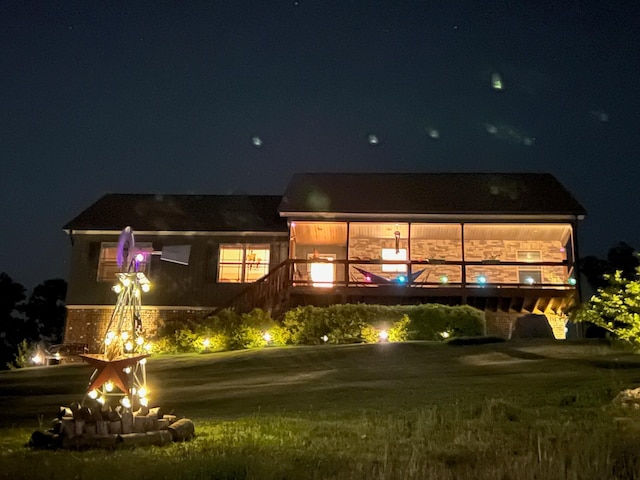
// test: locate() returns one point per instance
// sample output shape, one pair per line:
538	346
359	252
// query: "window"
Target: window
108	262
322	273
242	263
393	254
530	274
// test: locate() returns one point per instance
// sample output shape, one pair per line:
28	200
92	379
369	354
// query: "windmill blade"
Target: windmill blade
126	243
176	254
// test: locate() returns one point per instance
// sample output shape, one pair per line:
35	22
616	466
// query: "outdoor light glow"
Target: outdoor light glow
402	279
125	402
324	338
572	281
139	257
144	402
206	342
36	359
139	341
147	347
145	287
267	337
142	361
529	280
93	394
367	278
111	335
108	386
384	335
142	392
102	400
124	335
126	282
128	346
57	355
444	334
107	341
482	279
127	370
116	288
444	279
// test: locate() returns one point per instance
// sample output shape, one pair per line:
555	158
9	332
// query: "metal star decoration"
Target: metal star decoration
111	370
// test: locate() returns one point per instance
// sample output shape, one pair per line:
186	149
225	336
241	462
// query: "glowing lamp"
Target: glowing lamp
116	288
107	341
147	347
401	279
444	334
444	279
482	279
142	361
125	402
572	281
126	282
93	394
324	338
145	287
139	257
111	335
142	392
144	402
267	337
102	400
128	346
127	370
108	387
124	335
206	342
367	278
529	280
139	341
383	335
37	359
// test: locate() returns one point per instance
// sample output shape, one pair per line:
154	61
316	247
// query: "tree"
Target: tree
46	311
616	307
12	295
621	257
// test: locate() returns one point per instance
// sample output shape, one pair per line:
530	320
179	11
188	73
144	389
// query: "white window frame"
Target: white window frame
244	263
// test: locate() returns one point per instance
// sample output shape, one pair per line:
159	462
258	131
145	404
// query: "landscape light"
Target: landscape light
206	342
324	338
37	359
267	337
444	334
384	335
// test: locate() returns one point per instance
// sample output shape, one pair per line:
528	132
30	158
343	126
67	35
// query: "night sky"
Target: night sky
235	96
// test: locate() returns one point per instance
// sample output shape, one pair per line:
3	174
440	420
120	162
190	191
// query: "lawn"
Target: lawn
403	410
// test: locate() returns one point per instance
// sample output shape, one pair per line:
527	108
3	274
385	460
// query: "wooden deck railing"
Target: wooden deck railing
272	289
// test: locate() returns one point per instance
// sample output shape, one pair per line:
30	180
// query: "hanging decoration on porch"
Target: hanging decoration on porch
396	234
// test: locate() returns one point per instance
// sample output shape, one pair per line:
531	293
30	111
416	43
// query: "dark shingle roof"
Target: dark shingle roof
428	193
146	212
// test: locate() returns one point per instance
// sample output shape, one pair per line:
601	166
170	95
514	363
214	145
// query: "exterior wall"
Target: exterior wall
172	284
89	325
501	324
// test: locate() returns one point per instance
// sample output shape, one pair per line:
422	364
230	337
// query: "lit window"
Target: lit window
242	263
108	262
392	254
529	275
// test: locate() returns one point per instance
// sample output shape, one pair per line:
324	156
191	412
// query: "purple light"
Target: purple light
139	257
367	278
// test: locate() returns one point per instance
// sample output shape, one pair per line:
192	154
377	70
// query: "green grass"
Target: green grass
407	411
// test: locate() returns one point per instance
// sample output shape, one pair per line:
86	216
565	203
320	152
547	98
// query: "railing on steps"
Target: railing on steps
265	293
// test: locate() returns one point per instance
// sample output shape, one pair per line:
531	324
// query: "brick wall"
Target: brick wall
89	325
501	324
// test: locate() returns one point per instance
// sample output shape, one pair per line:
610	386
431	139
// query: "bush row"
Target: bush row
309	325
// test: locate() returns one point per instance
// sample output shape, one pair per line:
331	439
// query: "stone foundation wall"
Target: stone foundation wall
89	325
501	324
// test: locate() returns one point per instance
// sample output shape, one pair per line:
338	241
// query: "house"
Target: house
504	243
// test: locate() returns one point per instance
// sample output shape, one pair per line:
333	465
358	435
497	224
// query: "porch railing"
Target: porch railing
272	289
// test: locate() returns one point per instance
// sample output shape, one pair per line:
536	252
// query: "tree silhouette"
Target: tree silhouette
46	311
12	324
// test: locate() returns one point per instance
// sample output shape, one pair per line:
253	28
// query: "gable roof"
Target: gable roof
428	193
211	213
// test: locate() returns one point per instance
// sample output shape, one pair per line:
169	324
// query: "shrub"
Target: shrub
434	321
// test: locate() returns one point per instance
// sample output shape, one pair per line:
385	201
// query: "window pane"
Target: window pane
230	273
108	262
391	254
256	262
